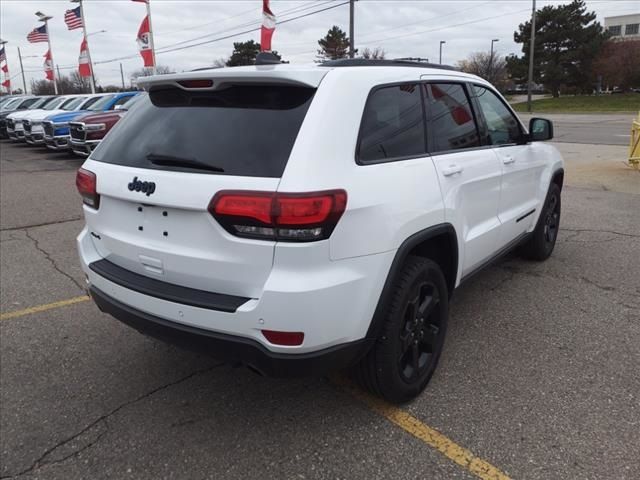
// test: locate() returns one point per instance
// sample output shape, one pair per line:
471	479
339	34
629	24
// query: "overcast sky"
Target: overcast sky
402	28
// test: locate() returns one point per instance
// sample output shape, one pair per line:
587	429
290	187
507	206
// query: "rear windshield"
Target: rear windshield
239	130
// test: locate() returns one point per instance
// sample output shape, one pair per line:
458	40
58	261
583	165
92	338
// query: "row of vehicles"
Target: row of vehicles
63	122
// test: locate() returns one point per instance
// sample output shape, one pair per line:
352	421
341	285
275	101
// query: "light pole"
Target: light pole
45	19
532	47
442	42
351	29
491	59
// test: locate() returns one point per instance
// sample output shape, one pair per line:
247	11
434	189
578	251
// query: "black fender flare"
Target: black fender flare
398	261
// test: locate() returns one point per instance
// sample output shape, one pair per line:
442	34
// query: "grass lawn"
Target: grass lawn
628	102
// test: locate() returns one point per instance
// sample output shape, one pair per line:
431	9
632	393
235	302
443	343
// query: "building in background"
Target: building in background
623	27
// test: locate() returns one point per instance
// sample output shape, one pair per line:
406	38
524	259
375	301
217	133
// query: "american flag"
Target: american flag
73	18
38	35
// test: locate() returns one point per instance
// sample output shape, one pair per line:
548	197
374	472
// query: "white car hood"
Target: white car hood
42	114
22	115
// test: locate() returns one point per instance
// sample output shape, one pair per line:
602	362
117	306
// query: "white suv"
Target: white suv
302	219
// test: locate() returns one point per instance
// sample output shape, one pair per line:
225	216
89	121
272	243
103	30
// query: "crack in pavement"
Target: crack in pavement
580	230
39	462
11	229
53	262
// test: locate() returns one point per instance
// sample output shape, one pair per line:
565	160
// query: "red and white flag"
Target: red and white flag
84	67
5	68
268	27
7	84
458	112
48	65
144	42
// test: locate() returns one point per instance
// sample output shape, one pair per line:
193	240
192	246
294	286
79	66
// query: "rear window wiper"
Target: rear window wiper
170	161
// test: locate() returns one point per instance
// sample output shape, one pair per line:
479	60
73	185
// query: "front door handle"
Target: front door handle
451	170
508	160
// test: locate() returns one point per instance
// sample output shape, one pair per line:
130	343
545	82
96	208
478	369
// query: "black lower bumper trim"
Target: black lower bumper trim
167	291
234	349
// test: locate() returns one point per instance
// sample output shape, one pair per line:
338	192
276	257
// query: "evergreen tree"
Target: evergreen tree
334	45
568	39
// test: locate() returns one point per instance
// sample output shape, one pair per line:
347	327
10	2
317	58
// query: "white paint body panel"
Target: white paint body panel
327	289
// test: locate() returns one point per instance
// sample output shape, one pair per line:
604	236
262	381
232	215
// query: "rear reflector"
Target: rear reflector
289	339
293	217
86	182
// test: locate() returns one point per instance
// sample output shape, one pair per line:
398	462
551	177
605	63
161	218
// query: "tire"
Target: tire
401	362
543	240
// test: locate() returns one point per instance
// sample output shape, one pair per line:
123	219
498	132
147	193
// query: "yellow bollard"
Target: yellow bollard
634	147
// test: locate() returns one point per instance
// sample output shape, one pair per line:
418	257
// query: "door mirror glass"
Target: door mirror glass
540	129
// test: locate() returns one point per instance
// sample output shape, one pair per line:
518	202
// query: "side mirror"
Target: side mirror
540	129
119	107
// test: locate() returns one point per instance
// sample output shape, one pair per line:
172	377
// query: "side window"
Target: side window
502	125
120	101
392	124
450	118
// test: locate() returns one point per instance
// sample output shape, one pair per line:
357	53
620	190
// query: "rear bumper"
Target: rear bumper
332	302
234	349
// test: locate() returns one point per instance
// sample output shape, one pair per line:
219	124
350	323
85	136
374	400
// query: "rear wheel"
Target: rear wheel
543	240
404	357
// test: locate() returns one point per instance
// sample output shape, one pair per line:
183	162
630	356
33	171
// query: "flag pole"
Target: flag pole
6	61
153	45
45	19
84	30
24	80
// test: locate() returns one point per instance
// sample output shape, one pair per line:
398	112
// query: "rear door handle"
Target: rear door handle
508	160
451	170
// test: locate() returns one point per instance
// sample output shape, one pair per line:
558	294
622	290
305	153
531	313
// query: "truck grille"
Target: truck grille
10	124
48	129
26	124
77	132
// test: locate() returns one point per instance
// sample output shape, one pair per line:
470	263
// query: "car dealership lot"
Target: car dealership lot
538	378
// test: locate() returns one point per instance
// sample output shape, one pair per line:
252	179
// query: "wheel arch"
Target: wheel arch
438	243
558	177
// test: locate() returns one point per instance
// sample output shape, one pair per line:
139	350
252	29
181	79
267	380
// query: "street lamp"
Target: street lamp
45	19
491	59
442	42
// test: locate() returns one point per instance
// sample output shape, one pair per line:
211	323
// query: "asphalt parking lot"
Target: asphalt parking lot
539	378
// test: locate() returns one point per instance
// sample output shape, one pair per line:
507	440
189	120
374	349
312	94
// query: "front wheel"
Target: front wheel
543	240
404	357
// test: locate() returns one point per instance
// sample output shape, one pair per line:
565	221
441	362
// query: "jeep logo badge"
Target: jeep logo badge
144	187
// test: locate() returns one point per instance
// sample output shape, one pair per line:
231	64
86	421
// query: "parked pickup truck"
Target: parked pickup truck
56	127
88	131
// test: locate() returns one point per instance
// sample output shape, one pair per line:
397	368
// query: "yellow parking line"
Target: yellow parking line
460	455
43	308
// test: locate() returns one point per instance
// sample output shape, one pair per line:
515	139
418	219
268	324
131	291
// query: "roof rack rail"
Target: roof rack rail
400	62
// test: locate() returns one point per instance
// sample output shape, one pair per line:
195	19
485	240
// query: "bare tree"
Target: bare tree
220	62
148	71
493	69
618	64
375	54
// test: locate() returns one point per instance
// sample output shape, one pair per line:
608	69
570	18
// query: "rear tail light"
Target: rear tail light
289	217
289	339
86	182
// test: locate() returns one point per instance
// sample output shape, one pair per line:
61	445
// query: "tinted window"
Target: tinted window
244	130
100	104
502	124
54	104
451	120
120	101
89	102
72	104
392	124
